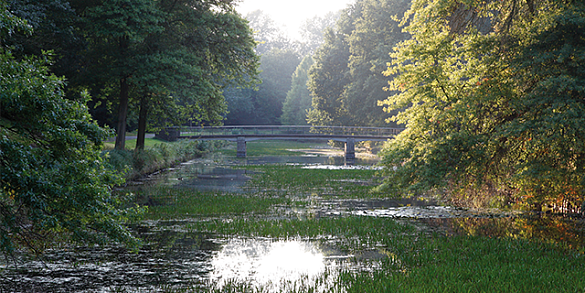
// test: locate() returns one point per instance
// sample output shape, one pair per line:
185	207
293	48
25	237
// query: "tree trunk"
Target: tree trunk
142	117
122	115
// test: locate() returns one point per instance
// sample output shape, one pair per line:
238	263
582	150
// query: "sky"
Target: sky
291	14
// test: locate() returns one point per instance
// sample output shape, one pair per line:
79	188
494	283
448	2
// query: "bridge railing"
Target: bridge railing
288	130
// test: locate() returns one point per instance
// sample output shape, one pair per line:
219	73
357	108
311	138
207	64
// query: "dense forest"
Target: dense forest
490	93
69	68
492	96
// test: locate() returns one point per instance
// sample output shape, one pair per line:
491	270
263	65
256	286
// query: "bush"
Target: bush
133	164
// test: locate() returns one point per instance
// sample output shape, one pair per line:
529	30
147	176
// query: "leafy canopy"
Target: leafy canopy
52	176
493	98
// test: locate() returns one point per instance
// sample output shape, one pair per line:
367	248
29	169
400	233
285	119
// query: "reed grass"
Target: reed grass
178	203
295	180
274	148
415	260
424	262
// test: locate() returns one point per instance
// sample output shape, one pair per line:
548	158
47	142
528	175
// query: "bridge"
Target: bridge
242	134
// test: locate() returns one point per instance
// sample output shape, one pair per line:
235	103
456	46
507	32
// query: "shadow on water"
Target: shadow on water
562	230
168	259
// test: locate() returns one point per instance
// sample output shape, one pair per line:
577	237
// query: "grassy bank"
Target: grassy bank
275	148
410	259
422	262
157	155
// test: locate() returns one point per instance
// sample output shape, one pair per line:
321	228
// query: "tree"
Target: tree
267	34
313	31
264	105
117	30
172	58
195	60
375	34
347	80
53	181
298	99
489	114
53	23
277	68
329	75
549	74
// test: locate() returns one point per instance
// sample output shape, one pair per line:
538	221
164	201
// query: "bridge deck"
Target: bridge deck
241	134
251	137
252	132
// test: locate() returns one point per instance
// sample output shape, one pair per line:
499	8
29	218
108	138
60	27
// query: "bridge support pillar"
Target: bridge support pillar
350	151
241	150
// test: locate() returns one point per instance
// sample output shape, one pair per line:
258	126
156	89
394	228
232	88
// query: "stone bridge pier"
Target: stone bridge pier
350	151
241	148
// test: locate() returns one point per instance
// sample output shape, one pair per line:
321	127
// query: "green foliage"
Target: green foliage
347	81
327	79
53	180
156	157
10	23
374	36
176	203
264	105
54	25
298	99
487	116
169	71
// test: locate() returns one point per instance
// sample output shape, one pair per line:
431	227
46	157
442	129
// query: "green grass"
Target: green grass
177	203
131	143
295	180
477	264
156	156
419	262
274	148
416	261
148	143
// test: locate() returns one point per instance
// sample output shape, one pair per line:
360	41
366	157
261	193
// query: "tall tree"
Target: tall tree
493	102
117	31
170	57
298	99
267	33
330	73
313	31
277	68
263	105
193	60
347	81
52	176
54	25
375	34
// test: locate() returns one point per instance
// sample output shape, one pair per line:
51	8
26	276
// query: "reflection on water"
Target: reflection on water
311	160
558	229
199	174
428	212
175	259
273	265
169	259
215	173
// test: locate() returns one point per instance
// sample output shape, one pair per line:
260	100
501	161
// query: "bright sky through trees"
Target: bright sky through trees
292	14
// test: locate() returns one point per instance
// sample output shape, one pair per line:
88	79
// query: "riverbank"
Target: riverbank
156	156
308	224
361	247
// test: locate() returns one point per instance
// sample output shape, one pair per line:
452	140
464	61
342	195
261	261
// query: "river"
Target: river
176	257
